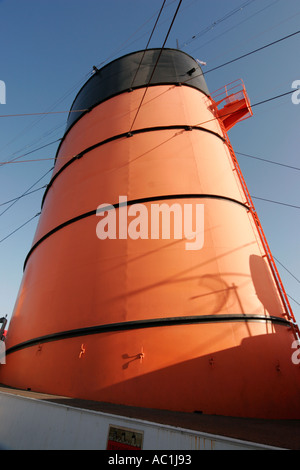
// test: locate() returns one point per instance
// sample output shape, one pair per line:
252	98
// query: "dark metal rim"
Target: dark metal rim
127	55
121	136
126	90
150	323
130	203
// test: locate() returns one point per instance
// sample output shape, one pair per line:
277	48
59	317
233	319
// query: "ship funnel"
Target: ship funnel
149	281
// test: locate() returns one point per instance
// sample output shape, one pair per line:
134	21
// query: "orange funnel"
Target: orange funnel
149	281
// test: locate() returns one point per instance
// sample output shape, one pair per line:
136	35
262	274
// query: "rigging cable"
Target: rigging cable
237	25
25	193
287	269
18	228
28	153
198	124
275	202
22	195
75	86
105	61
243	56
215	23
254	51
293	299
268	161
46	112
183	82
144	52
154	68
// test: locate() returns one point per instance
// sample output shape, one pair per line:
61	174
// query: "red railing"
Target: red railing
232	103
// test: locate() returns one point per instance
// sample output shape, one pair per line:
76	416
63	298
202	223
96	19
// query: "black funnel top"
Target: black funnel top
135	71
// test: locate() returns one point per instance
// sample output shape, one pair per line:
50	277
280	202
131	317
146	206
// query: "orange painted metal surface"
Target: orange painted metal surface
191	330
232	103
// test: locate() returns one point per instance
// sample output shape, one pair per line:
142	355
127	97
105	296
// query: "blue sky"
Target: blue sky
48	48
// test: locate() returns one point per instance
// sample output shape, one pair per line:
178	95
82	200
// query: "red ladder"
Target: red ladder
238	107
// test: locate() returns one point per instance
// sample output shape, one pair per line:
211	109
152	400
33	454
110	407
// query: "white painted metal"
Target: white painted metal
34	424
